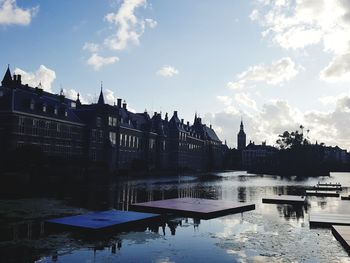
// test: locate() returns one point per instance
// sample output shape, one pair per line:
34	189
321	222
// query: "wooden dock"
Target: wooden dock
284	199
328	219
194	207
326	188
342	234
103	220
322	193
329	184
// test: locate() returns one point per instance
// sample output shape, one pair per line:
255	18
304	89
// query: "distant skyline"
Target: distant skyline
278	64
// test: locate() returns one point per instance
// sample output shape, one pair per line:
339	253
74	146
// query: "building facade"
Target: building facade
259	157
102	133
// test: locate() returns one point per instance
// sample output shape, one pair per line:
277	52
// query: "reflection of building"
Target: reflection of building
241	138
101	133
258	156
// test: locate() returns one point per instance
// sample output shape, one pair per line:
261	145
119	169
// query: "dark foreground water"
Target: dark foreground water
271	233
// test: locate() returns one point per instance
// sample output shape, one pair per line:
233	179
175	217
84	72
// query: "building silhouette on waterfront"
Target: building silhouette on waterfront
241	137
101	133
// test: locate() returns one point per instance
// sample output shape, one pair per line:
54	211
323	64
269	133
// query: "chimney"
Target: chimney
175	113
182	121
166	116
210	126
19	79
188	124
124	105
119	103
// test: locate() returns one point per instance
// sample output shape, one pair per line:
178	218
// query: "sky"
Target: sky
275	64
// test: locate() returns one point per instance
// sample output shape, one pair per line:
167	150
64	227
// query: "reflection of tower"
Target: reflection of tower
241	138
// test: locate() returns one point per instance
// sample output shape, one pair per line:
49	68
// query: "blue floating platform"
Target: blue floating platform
103	220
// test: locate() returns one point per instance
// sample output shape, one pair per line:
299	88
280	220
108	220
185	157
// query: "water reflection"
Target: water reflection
247	233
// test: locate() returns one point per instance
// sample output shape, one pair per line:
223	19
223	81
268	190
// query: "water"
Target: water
270	233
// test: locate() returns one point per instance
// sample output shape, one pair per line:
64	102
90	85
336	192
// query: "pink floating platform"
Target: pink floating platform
201	208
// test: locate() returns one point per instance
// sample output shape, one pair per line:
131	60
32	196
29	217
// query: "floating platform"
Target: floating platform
200	208
326	220
284	199
103	220
329	184
326	188
345	197
342	234
322	193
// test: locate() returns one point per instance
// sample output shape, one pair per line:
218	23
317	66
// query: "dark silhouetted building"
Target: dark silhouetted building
259	157
101	133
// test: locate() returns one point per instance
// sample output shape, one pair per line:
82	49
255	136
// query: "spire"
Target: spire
78	99
7	80
101	100
241	126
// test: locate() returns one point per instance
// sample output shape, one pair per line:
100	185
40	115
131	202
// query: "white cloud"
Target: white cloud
254	15
278	72
125	29
109	97
228	103
226	100
84	99
44	75
129	28
151	23
277	116
11	14
300	24
244	99
338	70
167	71
92	47
98	61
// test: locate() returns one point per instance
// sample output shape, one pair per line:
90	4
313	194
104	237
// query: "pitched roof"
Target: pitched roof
211	133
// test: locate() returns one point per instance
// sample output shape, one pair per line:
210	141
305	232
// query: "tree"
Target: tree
289	140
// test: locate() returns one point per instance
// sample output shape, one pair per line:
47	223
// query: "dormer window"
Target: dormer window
32	104
73	105
44	107
55	111
65	113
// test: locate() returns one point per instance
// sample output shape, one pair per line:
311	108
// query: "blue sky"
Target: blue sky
278	63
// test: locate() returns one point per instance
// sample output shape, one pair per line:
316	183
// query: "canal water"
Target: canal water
270	233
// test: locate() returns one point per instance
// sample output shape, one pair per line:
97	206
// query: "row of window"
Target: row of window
44	108
129	141
39	127
55	149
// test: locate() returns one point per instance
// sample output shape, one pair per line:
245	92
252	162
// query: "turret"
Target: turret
101	100
7	80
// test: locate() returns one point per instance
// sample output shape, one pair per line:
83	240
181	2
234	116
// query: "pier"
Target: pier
200	208
322	193
103	220
342	234
326	220
284	199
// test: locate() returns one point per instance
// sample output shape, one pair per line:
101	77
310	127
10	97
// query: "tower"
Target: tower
241	137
